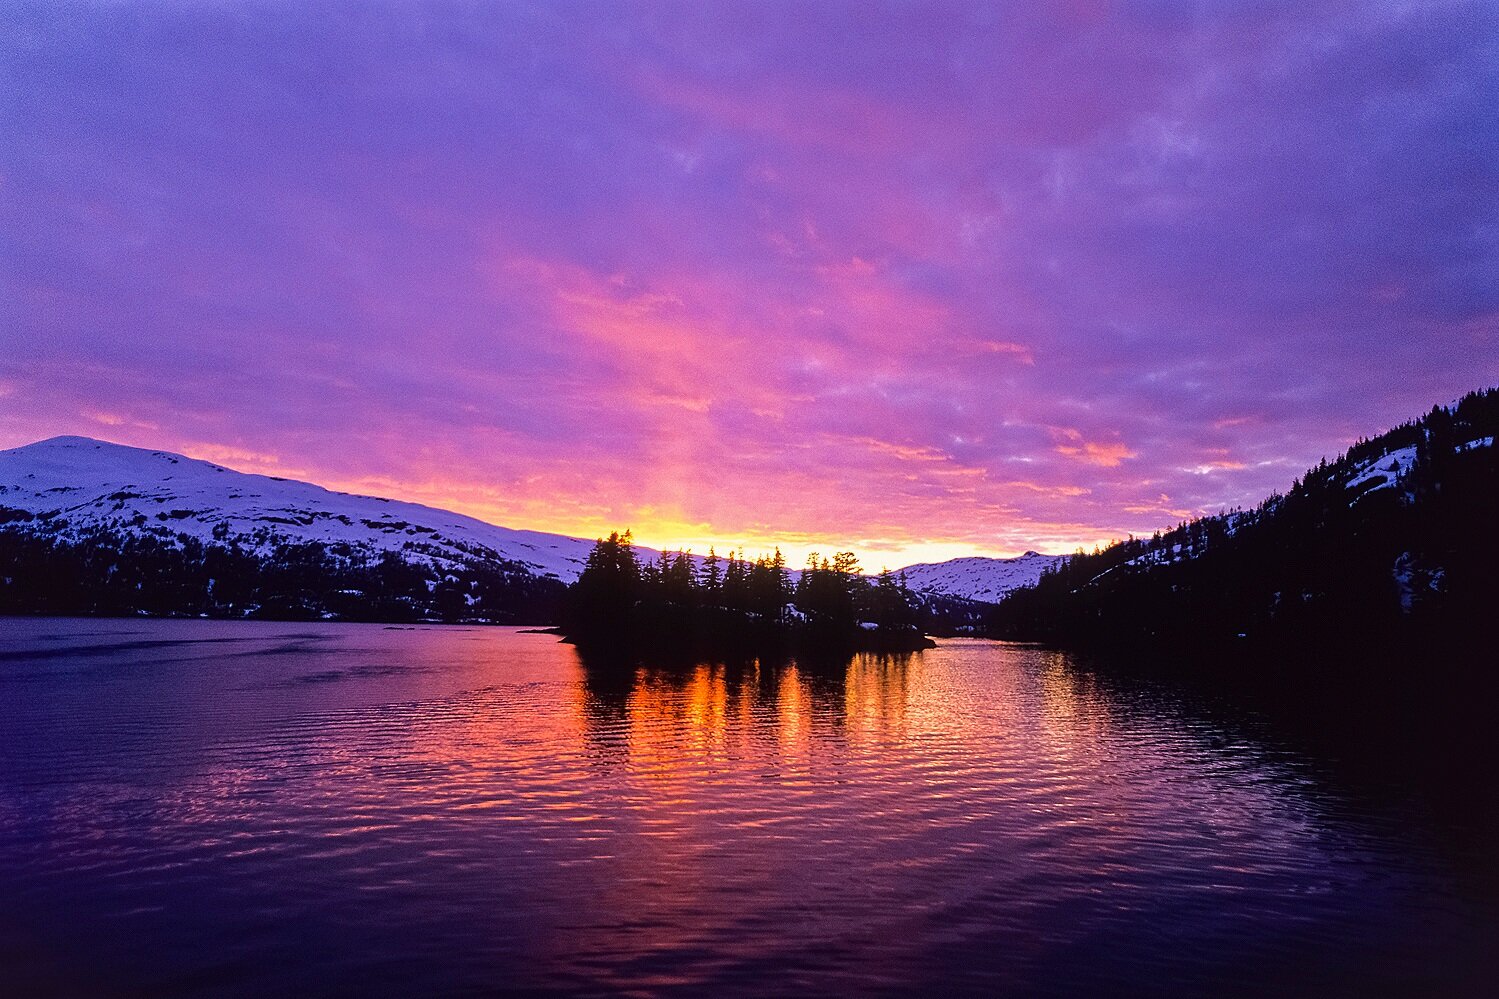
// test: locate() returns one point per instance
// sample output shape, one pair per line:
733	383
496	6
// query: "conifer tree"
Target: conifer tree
712	581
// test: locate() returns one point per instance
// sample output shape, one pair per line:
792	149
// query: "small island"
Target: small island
727	607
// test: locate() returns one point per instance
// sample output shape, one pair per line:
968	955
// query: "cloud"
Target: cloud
1104	455
723	272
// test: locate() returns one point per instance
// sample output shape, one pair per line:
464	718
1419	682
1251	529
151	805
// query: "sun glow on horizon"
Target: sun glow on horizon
748	280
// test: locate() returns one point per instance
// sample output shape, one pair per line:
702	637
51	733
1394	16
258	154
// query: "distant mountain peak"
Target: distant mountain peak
67	484
977	577
68	440
70	483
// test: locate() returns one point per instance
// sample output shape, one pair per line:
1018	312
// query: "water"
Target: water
205	808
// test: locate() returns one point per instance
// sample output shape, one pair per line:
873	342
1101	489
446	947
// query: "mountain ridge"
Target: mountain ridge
99	483
978	577
68	486
1391	541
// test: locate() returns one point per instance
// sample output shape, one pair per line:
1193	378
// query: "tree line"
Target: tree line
100	572
728	603
1350	564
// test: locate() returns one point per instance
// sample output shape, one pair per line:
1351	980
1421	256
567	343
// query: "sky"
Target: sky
915	279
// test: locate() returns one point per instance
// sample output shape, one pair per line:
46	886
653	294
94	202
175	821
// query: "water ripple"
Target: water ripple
244	809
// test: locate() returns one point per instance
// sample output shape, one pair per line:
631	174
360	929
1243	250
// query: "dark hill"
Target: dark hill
1394	542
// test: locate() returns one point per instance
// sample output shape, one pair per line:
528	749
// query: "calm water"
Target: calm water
196	808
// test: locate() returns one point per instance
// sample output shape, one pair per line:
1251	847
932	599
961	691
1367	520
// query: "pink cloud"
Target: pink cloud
866	277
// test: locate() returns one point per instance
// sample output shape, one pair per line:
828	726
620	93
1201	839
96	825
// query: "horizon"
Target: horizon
795	557
914	286
795	565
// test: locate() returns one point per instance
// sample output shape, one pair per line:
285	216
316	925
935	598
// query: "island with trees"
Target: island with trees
685	605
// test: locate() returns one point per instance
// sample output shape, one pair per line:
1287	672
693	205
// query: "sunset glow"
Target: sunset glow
916	281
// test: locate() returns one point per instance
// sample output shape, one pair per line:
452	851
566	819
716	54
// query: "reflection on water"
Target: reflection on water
720	708
208	808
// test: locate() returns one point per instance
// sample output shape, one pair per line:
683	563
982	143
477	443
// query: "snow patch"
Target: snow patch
91	483
979	578
1384	470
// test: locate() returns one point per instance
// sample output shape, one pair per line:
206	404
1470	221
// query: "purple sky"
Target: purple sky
919	279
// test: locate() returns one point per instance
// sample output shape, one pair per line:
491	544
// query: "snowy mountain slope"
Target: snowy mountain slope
1389	541
90	483
978	578
1391	465
69	484
1383	470
1388	467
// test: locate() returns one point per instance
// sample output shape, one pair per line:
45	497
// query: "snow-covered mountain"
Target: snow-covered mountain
979	578
71	484
89	483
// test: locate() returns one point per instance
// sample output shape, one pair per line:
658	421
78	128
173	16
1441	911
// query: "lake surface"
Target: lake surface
209	808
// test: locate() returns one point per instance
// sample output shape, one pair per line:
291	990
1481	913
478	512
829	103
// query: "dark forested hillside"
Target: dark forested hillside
96	571
1394	542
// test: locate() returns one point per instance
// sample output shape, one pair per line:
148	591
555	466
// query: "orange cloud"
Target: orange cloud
1105	455
1217	461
